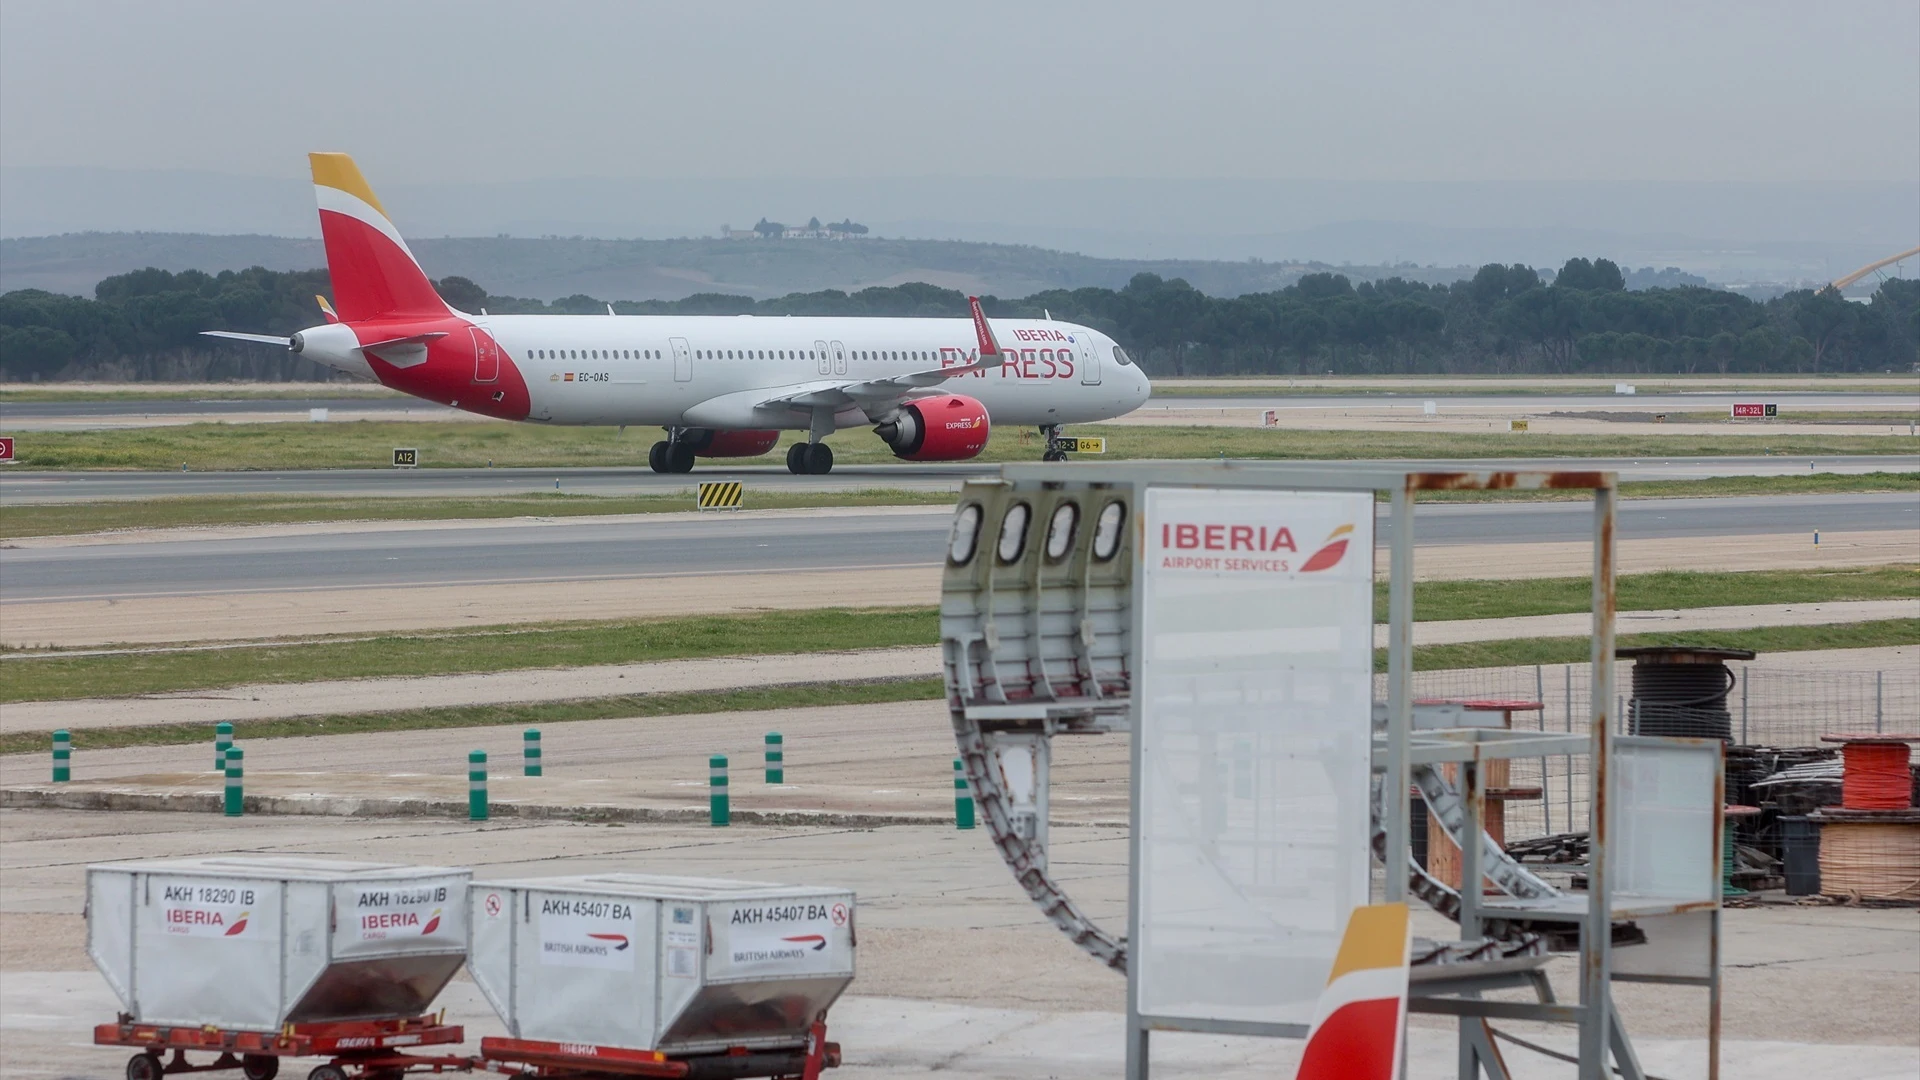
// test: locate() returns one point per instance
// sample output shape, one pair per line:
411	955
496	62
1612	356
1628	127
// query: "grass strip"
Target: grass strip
1658	591
368	444
580	644
689	703
52	677
158	392
66	519
1518	652
1486	654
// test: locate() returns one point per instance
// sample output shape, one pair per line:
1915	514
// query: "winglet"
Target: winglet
326	309
990	354
1360	1024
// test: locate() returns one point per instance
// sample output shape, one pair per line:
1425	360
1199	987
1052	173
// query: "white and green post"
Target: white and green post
222	738
962	797
62	756
477	785
236	773
776	759
530	753
717	808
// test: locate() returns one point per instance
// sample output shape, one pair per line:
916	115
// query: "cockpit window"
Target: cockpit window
1120	356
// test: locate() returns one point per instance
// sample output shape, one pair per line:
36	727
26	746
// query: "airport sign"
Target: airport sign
1755	409
1083	445
405	457
6	449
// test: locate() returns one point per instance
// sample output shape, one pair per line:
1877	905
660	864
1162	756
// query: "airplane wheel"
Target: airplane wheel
657	456
679	457
797	458
819	459
1054	455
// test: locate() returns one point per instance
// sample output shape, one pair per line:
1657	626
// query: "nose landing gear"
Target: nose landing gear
1054	451
672	454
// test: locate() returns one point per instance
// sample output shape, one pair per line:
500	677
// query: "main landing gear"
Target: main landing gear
671	454
1054	451
810	459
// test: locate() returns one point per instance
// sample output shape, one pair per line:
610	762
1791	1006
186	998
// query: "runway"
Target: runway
558	550
21	488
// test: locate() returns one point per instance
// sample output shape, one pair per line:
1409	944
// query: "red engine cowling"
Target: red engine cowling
950	427
734	443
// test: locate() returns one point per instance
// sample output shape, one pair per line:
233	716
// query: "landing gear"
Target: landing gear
671	455
1053	452
810	459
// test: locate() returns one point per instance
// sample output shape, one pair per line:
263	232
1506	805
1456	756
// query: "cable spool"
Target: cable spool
1870	854
1876	774
1681	690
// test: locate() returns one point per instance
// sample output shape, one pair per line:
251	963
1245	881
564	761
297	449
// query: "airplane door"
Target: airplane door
486	356
1089	362
682	360
839	359
822	364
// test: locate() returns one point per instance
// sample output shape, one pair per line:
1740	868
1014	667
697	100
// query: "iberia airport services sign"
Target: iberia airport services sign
1254	729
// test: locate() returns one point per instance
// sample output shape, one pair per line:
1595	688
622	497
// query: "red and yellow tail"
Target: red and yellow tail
1361	1019
374	274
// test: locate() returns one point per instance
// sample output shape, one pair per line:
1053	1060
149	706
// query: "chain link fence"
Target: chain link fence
1774	707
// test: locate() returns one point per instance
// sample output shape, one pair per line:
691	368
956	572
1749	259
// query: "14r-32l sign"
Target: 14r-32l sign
1755	409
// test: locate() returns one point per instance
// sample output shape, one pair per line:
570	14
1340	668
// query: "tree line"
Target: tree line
1504	320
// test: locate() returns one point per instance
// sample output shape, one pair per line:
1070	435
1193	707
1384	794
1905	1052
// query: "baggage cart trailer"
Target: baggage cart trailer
354	1049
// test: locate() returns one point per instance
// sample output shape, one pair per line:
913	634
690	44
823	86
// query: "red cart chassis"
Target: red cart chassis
355	1049
582	1061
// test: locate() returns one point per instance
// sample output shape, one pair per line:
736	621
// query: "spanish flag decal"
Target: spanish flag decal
1361	1020
1331	552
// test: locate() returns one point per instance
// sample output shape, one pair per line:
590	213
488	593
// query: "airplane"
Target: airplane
721	386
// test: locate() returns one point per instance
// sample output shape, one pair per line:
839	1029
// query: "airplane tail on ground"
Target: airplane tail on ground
374	274
1361	1019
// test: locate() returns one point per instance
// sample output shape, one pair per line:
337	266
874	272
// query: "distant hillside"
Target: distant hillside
548	269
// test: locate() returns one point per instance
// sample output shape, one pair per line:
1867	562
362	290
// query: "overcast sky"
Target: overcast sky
1395	90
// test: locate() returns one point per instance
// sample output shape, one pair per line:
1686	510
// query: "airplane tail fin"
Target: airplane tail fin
373	272
1361	1019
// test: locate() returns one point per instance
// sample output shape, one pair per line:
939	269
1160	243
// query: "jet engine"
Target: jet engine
949	427
707	442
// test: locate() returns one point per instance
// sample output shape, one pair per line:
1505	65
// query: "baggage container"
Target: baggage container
668	964
255	943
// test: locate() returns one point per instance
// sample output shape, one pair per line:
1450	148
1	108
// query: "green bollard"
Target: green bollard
62	756
236	801
776	759
222	738
717	801
530	740
962	798
477	786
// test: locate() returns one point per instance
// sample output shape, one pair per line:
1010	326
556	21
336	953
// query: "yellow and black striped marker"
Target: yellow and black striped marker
719	495
1082	446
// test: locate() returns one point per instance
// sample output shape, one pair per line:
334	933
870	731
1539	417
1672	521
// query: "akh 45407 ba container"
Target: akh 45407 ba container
256	943
670	964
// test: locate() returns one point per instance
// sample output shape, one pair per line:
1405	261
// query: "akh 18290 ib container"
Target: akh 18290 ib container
672	964
256	943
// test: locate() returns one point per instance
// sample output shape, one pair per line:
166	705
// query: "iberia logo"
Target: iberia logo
815	940
619	940
239	925
433	923
1331	552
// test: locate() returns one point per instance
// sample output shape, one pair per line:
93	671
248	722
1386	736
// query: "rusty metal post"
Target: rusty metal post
1399	778
1473	800
1596	995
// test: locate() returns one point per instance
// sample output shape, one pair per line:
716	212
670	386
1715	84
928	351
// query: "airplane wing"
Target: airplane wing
262	339
838	394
